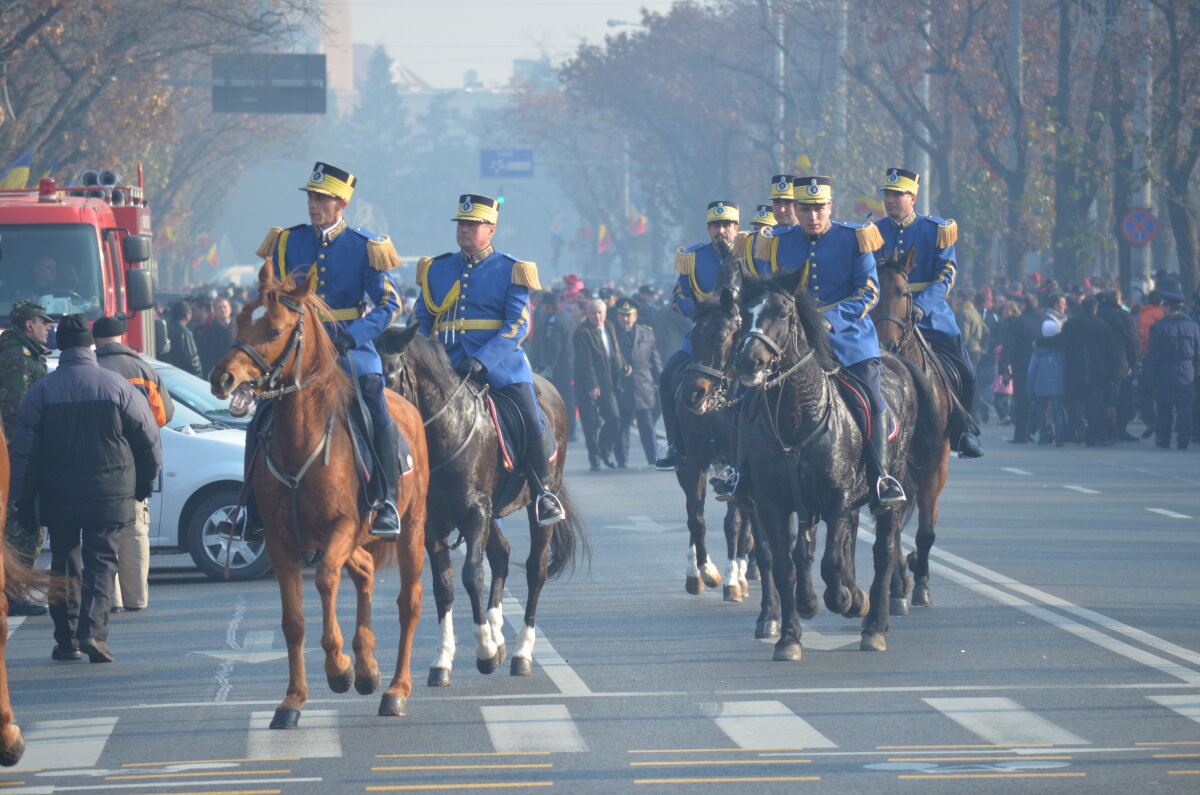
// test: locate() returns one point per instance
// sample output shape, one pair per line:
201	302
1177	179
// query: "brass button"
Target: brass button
322	270
322	284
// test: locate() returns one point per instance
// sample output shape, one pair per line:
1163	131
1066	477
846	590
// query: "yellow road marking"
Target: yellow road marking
481	785
203	761
710	750
723	780
1180	742
939	747
194	775
481	753
690	763
980	759
11	783
996	775
1183	772
462	767
1176	756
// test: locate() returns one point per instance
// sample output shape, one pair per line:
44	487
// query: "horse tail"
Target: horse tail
928	433
568	539
384	553
21	579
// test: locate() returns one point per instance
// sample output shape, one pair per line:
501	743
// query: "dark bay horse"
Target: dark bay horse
467	479
707	435
804	453
283	352
896	327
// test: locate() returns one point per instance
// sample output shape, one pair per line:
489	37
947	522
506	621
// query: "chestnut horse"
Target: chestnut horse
294	364
13	573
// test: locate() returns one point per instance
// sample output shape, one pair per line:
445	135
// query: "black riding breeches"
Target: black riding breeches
371	385
867	374
536	454
953	348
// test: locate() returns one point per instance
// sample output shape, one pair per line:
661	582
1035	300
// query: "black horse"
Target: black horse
466	480
803	449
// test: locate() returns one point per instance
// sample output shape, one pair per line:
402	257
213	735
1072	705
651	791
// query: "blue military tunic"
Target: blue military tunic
838	272
697	267
345	267
933	272
479	307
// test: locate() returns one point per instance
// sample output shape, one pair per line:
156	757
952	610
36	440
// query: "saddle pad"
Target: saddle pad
854	395
510	432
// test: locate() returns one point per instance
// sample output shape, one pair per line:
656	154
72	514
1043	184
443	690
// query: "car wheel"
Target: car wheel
248	558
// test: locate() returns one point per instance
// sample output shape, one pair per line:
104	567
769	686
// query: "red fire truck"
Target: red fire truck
80	249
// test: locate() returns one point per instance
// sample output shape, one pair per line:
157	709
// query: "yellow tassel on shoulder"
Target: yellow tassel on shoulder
381	254
525	274
869	239
762	245
267	249
685	262
422	268
947	234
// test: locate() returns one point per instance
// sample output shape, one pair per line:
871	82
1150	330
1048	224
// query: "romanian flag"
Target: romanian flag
211	256
865	205
637	219
603	240
17	173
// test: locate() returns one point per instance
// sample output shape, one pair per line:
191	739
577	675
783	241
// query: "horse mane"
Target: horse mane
430	357
811	318
323	371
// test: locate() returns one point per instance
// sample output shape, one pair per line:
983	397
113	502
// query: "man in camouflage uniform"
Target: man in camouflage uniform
23	354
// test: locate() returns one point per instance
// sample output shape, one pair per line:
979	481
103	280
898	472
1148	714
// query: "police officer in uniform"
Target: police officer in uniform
783	200
476	302
930	280
763	217
838	272
346	266
697	267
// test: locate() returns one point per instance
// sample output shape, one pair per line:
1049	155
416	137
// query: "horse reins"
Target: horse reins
906	324
271	372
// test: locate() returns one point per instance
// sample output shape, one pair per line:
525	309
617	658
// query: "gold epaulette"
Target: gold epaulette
947	234
762	246
422	268
526	275
381	254
869	239
685	262
267	249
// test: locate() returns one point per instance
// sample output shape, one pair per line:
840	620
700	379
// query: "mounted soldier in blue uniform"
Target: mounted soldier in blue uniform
763	217
476	303
838	272
783	200
347	266
932	275
697	266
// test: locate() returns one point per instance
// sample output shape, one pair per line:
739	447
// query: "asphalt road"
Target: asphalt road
1062	653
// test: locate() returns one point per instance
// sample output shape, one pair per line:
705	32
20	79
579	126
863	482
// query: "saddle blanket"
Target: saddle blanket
510	432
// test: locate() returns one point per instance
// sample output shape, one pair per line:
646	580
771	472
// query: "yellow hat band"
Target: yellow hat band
724	213
329	185
814	194
763	215
900	182
782	189
476	211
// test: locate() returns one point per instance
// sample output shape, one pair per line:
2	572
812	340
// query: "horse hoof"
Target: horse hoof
873	641
489	665
10	756
860	605
439	677
838	600
768	628
392	705
788	652
899	607
285	718
367	685
693	585
342	682
807	610
921	597
711	576
733	593
745	586
521	666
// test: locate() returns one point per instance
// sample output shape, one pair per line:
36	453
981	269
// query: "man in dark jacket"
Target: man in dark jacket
1020	334
599	366
84	449
133	549
557	355
182	351
1124	328
1092	371
216	336
640	350
1172	362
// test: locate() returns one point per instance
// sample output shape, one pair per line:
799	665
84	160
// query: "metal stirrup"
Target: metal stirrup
537	509
380	507
879	484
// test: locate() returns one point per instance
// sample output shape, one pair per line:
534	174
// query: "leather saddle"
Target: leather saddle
510	435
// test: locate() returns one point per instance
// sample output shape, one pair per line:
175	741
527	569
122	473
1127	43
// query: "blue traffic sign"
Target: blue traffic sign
1138	227
501	163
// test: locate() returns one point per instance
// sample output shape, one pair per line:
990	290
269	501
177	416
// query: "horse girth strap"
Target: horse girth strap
293	482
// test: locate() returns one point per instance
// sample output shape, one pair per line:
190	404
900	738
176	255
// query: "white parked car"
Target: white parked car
200	481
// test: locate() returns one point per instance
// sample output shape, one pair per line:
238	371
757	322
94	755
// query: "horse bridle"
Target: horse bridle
778	351
267	386
721	377
906	324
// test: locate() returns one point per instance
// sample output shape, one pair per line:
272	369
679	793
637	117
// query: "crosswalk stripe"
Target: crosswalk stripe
1187	706
535	727
768	724
1002	721
58	744
316	737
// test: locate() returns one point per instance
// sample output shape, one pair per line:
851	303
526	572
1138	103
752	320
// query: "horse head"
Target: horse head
770	314
714	336
269	348
893	313
391	345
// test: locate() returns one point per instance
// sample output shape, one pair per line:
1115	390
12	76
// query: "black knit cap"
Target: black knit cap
108	326
73	332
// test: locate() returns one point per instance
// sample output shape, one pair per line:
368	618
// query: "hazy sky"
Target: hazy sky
442	39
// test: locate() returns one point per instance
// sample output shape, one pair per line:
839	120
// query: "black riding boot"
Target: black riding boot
548	507
665	461
387	517
886	490
968	445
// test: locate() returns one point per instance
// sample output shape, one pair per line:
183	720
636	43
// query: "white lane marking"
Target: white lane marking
256	648
50	790
1081	489
1155	475
561	674
59	744
1168	514
1002	721
1188	706
315	738
1016	471
533	727
768	724
1099	619
643	524
14	622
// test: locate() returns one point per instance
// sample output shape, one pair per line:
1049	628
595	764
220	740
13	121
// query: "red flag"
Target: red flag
604	242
